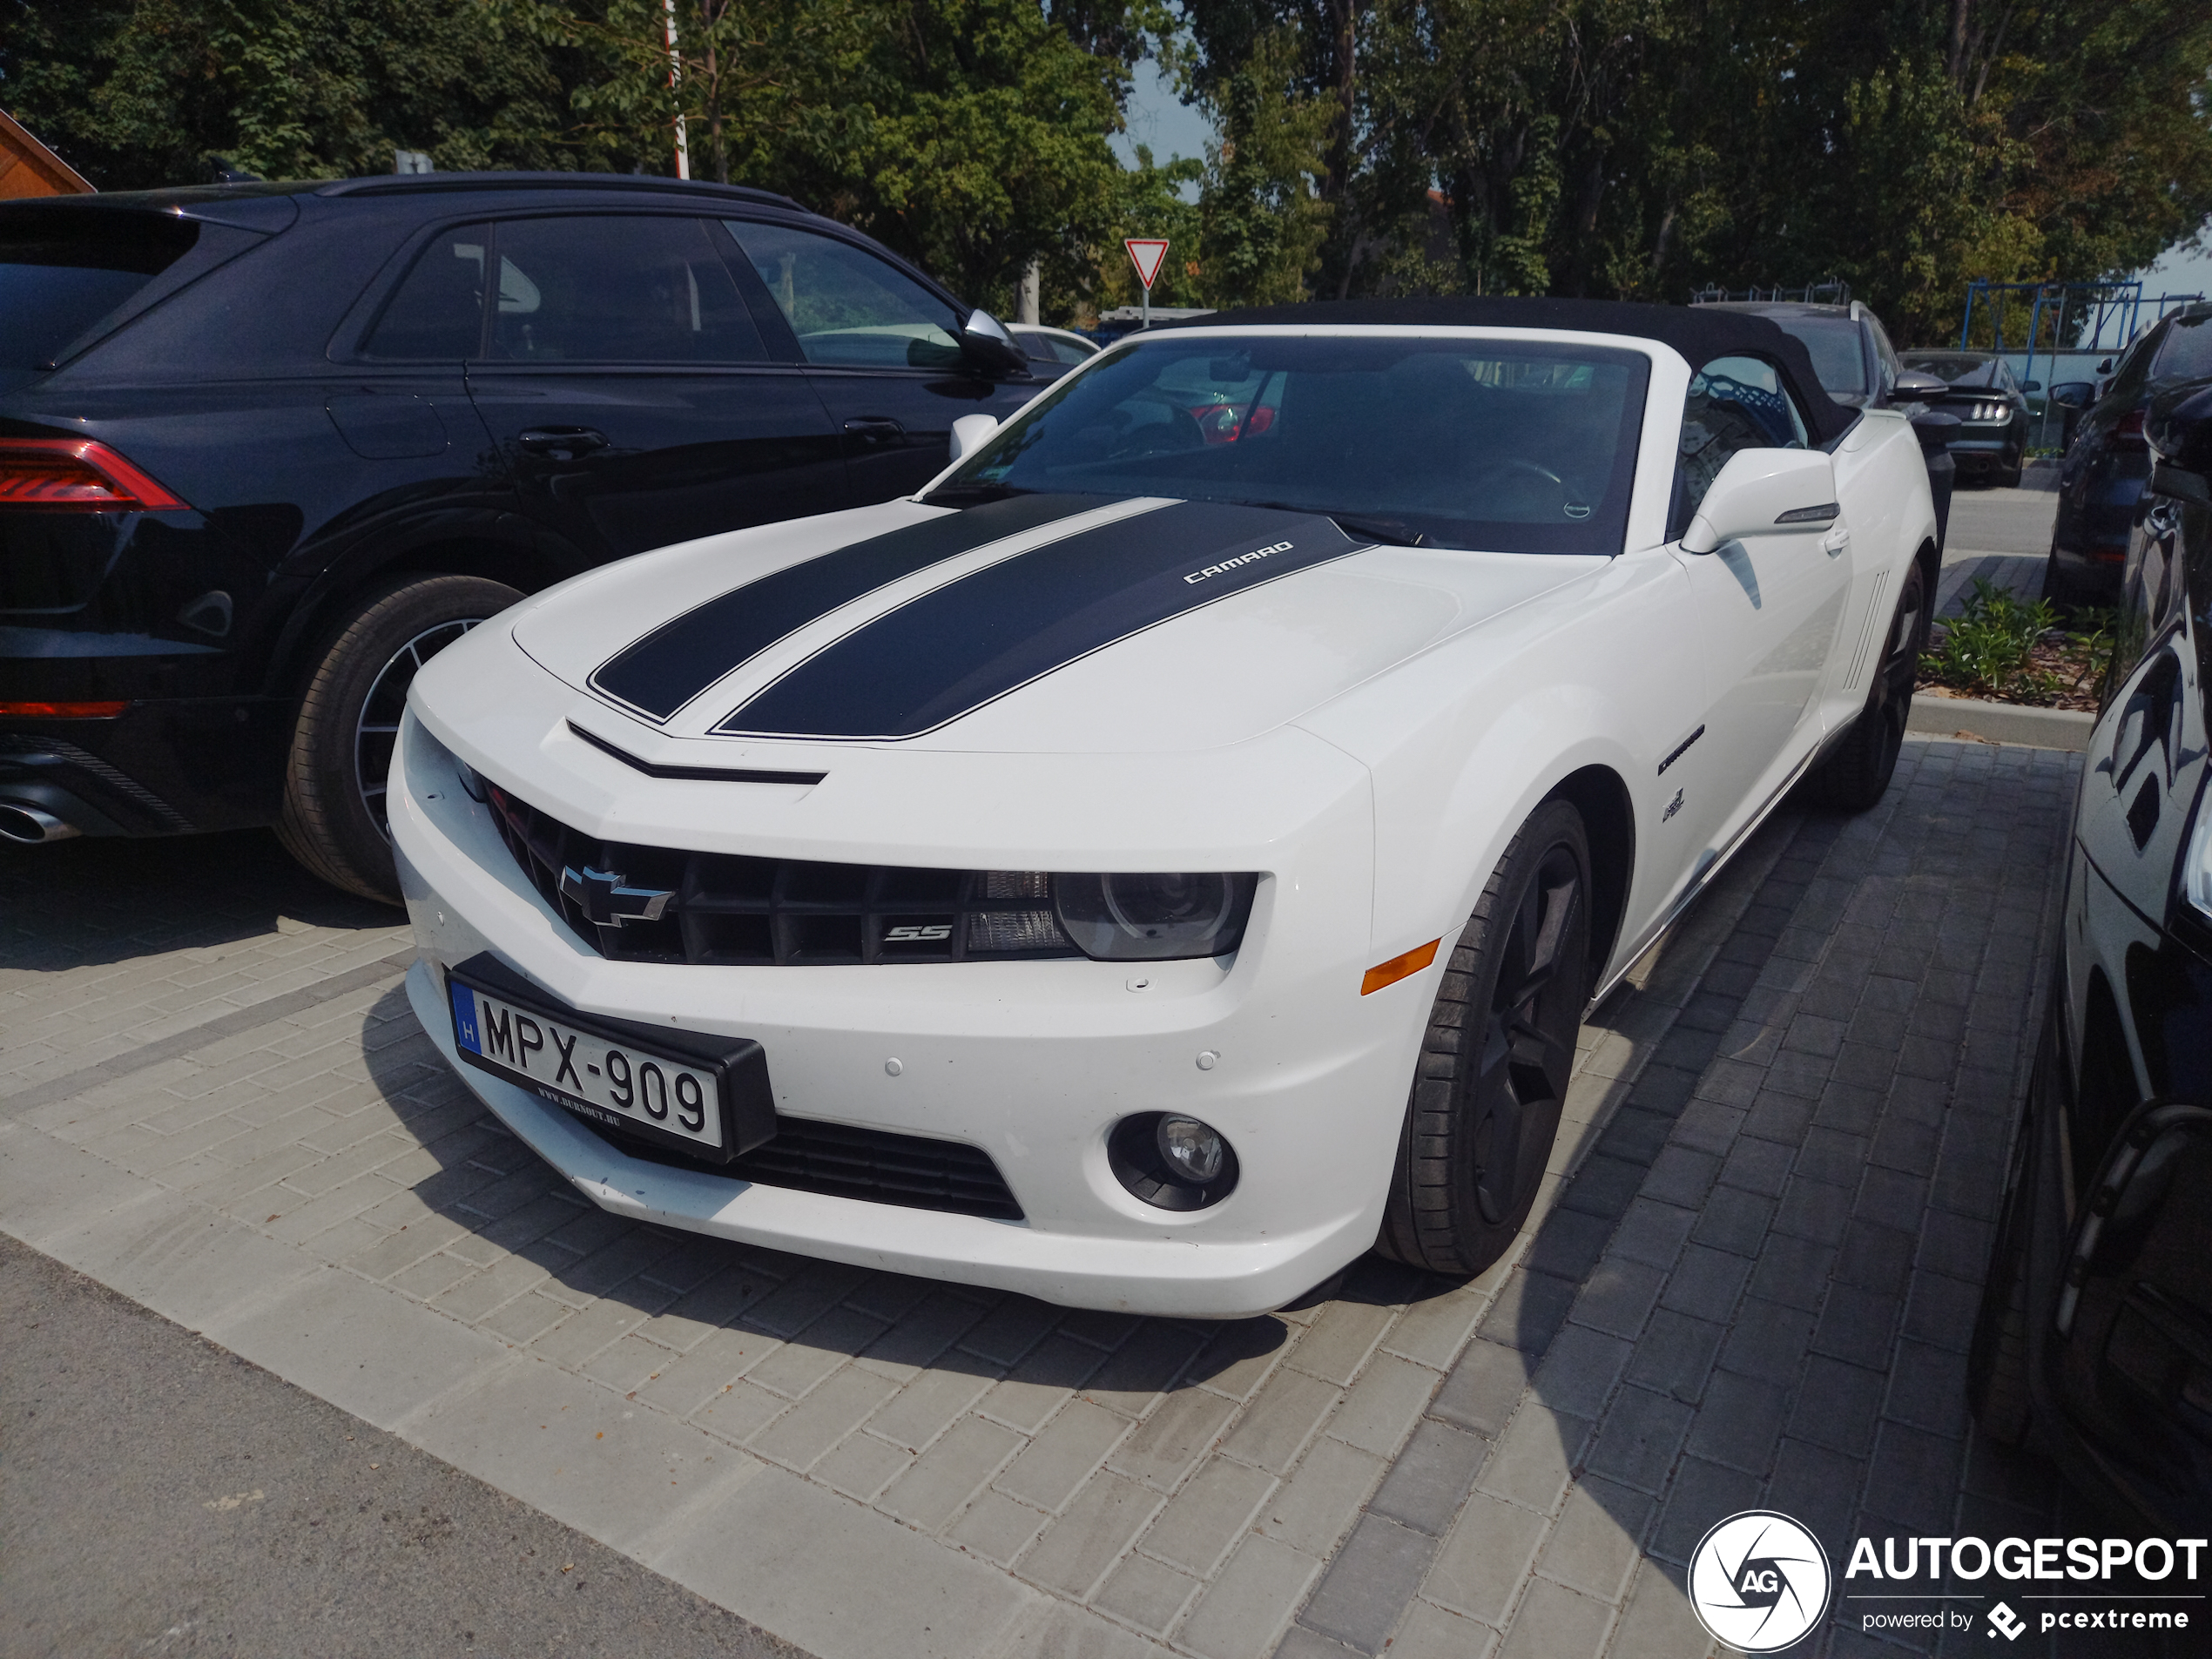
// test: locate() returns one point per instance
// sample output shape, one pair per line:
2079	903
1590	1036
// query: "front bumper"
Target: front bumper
1033	1063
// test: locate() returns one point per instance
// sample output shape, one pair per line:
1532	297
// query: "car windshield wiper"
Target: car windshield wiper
1394	530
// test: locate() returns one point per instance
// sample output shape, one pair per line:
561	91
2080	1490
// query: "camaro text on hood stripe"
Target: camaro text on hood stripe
949	651
1231	564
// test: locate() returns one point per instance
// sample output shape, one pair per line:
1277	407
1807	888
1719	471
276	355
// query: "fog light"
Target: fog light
1172	1161
1190	1148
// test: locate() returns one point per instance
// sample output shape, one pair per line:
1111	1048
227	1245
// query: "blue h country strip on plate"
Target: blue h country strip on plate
950	651
464	1017
658	674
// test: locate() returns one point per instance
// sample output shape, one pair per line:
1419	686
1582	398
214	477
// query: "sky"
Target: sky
1158	118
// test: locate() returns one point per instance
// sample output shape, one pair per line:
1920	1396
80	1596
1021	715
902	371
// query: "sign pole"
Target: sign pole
1147	254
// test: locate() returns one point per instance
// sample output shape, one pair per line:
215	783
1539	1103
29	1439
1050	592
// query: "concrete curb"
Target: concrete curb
1946	717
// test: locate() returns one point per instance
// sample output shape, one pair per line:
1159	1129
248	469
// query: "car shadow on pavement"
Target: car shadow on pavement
96	900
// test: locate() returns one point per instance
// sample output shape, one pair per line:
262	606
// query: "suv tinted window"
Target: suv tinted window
849	307
56	278
2186	355
1837	355
2134	367
605	287
438	312
1733	403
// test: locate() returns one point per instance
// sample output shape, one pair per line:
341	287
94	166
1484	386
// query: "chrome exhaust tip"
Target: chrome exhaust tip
30	826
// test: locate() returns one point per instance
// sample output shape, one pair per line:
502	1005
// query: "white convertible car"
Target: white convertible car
1171	855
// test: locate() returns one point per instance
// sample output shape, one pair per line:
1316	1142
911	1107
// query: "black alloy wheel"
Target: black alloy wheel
335	819
1858	771
1496	1057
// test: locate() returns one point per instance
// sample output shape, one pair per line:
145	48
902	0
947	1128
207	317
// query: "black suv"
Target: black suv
1859	368
266	449
2108	462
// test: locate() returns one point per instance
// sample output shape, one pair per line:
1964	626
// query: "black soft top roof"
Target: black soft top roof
1699	332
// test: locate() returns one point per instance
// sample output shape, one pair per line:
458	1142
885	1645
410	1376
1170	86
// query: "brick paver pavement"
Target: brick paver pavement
1772	1200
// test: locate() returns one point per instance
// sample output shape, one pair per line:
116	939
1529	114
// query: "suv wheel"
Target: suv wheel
334	819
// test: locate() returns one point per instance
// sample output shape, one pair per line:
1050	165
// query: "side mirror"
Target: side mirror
1764	492
2075	394
2105	367
987	343
971	433
1915	384
2032	386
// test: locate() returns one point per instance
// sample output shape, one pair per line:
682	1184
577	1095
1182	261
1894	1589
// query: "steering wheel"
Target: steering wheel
1179	432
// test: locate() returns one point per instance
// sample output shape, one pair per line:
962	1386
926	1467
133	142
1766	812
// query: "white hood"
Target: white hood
1038	624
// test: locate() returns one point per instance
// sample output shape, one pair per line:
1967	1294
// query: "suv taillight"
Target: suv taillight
2128	433
76	475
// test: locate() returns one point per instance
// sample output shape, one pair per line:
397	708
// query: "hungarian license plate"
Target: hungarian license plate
600	1071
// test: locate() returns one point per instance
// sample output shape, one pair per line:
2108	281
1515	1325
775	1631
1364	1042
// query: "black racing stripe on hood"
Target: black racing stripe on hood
670	666
949	651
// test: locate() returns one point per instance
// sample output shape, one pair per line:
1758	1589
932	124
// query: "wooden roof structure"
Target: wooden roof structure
29	168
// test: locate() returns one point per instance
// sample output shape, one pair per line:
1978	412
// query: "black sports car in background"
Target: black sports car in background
1991	441
2108	462
2096	1320
265	448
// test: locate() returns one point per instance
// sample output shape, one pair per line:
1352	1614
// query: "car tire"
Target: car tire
2009	478
1496	1057
331	820
1856	773
1997	1355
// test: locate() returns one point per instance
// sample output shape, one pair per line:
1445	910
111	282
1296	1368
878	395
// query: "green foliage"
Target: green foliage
1638	148
1988	645
1989	649
162	92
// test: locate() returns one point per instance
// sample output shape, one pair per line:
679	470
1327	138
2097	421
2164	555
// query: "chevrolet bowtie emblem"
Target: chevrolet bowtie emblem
606	903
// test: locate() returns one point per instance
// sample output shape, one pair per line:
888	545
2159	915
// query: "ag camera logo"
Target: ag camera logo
1759	1581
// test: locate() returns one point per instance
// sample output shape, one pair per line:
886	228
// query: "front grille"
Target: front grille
842	1162
726	910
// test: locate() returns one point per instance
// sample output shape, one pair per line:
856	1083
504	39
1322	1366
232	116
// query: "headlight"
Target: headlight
1153	917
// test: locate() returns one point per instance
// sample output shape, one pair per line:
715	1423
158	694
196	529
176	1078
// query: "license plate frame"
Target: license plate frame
742	1107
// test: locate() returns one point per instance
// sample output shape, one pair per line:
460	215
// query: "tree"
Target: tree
168	92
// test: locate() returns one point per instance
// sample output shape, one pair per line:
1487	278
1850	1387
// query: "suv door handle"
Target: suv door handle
876	428
562	442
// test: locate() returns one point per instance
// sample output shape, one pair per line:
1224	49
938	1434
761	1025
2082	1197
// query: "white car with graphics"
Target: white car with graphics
1171	855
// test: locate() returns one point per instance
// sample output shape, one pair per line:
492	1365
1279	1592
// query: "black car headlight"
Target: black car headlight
1153	917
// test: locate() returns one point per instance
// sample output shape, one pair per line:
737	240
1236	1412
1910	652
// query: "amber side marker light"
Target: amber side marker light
76	475
1398	968
61	711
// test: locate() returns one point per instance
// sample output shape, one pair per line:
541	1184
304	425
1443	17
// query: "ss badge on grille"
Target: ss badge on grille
603	899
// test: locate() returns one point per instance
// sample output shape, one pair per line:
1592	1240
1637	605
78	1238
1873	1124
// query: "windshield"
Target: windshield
58	276
1833	346
1518	447
1956	368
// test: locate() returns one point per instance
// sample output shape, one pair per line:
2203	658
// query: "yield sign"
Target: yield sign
1147	252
